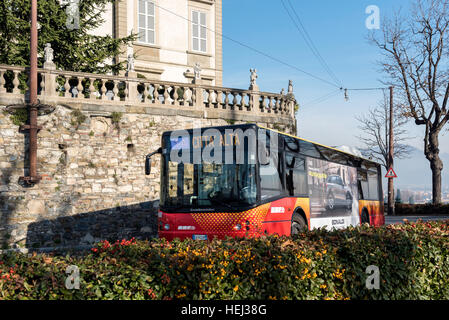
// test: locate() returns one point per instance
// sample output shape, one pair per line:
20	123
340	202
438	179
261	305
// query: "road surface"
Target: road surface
399	219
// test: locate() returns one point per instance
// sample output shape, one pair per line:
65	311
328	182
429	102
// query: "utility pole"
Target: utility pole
32	127
390	157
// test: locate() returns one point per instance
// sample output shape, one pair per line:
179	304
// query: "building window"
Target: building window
199	35
146	22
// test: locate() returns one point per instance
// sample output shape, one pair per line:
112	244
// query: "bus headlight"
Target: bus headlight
166	227
238	227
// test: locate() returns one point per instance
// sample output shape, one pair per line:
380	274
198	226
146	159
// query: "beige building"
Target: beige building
173	36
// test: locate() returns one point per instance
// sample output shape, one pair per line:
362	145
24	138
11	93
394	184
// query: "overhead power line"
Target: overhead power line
309	42
367	89
254	49
338	84
320	99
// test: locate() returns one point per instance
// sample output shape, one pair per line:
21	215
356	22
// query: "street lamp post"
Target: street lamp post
32	127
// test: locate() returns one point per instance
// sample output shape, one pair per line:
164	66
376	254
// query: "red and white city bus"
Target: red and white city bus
298	184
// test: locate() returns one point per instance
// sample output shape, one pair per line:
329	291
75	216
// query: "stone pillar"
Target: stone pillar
199	100
132	84
254	101
291	100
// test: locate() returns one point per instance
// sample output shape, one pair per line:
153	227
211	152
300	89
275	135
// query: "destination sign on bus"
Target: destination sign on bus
224	140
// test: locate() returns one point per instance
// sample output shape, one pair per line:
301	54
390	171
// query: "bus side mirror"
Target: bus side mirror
148	161
147	166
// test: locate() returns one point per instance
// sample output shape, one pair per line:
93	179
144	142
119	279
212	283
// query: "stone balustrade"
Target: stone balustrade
87	90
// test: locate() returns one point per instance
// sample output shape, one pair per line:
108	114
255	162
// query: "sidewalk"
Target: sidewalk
400	219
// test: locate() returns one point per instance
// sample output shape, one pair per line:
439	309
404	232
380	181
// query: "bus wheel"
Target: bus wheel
365	217
298	225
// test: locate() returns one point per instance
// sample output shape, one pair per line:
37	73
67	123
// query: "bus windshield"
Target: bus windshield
186	184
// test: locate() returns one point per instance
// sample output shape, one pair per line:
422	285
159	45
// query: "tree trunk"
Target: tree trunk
436	165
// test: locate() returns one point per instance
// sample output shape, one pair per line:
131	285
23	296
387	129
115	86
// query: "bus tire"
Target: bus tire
298	225
365	217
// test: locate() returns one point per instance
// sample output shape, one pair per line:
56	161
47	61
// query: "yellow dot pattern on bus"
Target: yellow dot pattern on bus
225	221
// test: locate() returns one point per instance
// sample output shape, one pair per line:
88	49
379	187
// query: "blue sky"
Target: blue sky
339	32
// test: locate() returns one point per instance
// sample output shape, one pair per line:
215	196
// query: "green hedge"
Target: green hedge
413	260
421	209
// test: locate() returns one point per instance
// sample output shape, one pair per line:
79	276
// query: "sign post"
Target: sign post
390	158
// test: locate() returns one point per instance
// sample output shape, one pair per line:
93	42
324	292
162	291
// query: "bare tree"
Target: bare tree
416	53
375	131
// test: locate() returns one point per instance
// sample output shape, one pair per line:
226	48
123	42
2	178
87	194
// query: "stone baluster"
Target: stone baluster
243	105
219	98
175	95
264	104
226	102
166	95
156	93
194	96
277	105
16	82
103	89
115	91
251	103
67	92
126	91
80	87
205	100
42	85
281	104
2	81
234	100
184	96
92	91
210	101
284	105
271	104
146	93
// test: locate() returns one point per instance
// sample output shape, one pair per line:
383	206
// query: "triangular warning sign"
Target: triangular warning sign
391	174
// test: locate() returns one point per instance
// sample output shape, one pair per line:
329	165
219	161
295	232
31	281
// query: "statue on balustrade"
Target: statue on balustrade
48	57
253	85
197	73
130	66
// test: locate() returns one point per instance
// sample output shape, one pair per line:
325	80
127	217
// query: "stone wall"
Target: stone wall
93	184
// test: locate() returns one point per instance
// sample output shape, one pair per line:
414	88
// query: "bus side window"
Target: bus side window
270	177
373	186
363	185
291	144
296	175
